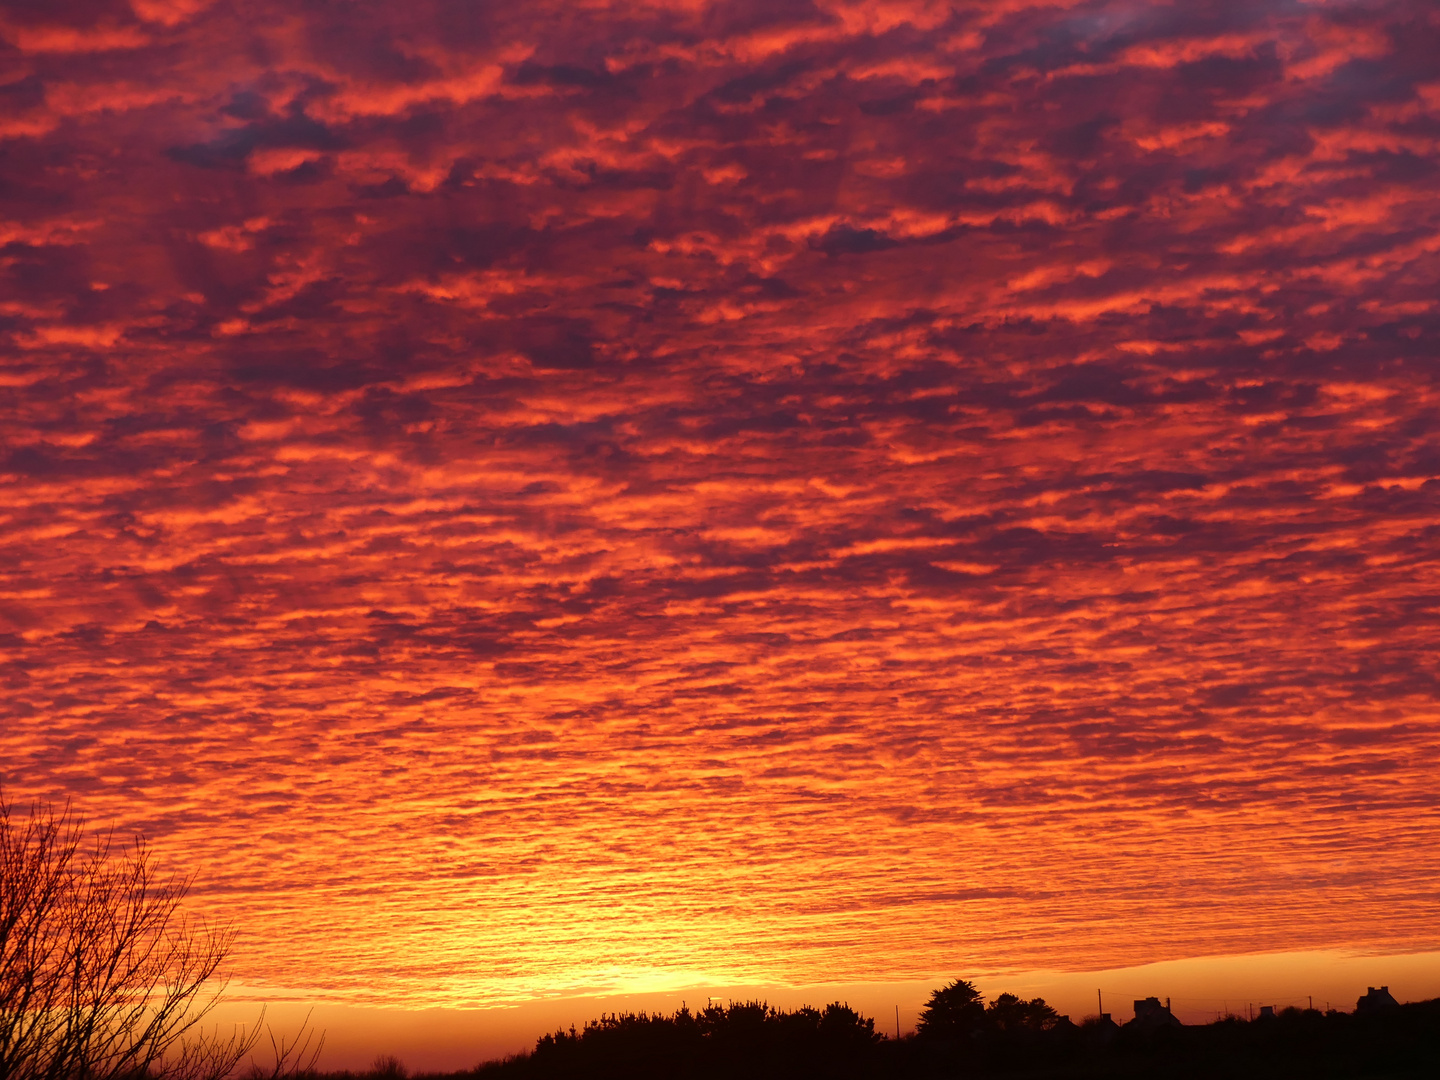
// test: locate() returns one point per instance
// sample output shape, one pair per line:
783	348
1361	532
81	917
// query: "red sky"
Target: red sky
544	498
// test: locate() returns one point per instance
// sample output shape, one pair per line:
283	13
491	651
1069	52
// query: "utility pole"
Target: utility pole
1100	1003
897	1023
1312	1002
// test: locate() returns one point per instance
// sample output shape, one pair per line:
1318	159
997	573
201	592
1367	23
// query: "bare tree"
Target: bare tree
294	1058
102	976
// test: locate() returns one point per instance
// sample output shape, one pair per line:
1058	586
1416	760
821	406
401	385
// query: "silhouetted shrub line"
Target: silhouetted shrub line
960	1036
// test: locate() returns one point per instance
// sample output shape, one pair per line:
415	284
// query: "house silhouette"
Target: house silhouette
1373	1001
1150	1015
1103	1031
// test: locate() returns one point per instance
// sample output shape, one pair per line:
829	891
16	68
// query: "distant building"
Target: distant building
1150	1015
1267	1012
1376	1000
1103	1031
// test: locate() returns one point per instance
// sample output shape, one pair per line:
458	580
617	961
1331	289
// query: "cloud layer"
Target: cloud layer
540	497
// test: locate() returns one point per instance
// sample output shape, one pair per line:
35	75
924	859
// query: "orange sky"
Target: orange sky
579	499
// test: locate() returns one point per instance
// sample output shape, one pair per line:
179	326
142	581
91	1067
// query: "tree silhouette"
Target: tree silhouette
1008	1013
953	1012
102	977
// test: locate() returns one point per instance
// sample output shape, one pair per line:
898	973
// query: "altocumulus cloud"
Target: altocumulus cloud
664	486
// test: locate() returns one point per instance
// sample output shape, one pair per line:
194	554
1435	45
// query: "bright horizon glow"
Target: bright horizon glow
1199	989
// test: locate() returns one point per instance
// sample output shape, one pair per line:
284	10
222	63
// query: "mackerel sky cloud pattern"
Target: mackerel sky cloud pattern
530	497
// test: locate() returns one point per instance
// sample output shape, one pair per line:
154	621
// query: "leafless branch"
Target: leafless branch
102	976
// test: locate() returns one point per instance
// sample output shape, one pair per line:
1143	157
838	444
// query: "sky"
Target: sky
534	500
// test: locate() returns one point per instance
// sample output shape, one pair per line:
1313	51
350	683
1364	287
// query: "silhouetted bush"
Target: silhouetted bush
388	1067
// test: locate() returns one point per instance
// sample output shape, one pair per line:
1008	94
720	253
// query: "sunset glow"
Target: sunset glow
572	498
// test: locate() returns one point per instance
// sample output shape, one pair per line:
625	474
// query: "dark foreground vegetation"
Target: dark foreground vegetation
751	1041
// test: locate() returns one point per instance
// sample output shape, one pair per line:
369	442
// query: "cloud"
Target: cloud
728	471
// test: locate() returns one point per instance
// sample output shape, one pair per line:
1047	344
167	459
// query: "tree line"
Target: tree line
961	1035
